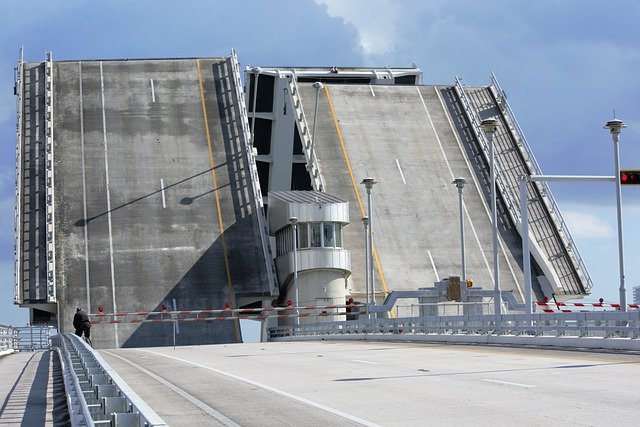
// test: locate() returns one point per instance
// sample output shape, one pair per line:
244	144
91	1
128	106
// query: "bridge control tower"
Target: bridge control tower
318	274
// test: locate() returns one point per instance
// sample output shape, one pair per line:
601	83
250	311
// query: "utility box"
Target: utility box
453	290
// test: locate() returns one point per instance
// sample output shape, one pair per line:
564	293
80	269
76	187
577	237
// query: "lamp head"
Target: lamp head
459	182
318	86
615	125
489	125
293	220
368	182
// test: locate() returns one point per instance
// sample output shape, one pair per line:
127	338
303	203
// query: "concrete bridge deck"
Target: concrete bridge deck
346	383
372	383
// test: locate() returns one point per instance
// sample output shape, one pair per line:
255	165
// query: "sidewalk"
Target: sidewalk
27	390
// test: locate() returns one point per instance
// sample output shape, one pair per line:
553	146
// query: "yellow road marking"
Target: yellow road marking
232	294
355	189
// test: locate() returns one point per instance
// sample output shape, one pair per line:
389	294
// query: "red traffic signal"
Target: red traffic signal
630	177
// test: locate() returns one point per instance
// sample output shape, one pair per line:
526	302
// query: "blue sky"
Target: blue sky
565	65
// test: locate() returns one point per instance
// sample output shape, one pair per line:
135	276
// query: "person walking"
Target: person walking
82	324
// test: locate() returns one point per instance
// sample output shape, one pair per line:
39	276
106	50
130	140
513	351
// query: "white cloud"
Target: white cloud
587	225
375	21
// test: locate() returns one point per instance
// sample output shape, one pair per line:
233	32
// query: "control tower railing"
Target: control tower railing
543	187
17	248
313	166
255	182
50	194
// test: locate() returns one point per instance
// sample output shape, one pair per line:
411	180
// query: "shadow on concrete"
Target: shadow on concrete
205	286
5	404
85	221
36	410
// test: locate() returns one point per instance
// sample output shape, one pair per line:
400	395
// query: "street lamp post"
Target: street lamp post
526	254
615	126
365	222
294	223
368	184
460	182
490	126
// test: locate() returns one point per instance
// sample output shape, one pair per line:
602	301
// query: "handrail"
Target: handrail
7	339
548	199
51	242
512	206
313	166
255	181
17	248
624	327
32	338
105	383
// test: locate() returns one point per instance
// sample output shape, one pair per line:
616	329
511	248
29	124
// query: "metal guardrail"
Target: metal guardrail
96	394
17	248
313	166
51	242
512	206
255	181
7	339
33	338
619	325
543	187
25	338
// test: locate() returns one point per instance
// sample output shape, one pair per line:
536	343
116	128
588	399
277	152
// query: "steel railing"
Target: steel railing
313	166
543	187
96	394
17	272
513	207
51	242
611	324
25	338
33	338
255	181
7	339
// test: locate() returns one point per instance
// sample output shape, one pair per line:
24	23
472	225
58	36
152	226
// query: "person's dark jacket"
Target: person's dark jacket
81	320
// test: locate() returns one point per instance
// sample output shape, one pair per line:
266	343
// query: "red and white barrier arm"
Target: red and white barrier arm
222	314
583	304
206	319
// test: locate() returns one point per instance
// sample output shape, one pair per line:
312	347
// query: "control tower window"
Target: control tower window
316	236
310	235
303	236
329	235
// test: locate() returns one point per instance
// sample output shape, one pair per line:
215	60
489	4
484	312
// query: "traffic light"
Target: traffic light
630	177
